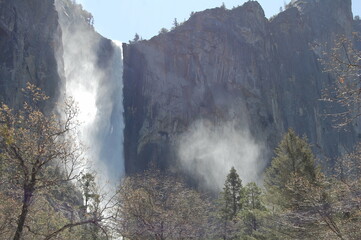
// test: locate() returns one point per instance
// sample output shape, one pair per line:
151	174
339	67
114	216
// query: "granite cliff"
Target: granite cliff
235	66
30	38
229	75
53	44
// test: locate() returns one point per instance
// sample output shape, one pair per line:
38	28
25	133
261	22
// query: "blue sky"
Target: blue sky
121	19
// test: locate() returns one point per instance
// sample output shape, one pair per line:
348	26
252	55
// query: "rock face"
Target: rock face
234	65
221	66
47	43
30	38
39	40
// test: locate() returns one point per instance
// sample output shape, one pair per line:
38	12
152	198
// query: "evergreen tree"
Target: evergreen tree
232	194
136	37
294	159
91	206
87	182
163	31
253	208
297	189
175	23
230	204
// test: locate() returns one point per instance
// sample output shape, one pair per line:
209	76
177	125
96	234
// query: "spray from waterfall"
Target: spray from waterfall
208	151
93	70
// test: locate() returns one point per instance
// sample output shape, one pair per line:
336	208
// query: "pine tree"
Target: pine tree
175	23
230	204
232	194
294	159
136	37
297	190
253	208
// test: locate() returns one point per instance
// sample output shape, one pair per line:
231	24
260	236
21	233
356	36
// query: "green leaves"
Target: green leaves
293	158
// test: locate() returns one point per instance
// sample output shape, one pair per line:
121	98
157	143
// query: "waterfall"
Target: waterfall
112	154
92	71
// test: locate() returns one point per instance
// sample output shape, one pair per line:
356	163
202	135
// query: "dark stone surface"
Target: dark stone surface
30	37
34	44
234	65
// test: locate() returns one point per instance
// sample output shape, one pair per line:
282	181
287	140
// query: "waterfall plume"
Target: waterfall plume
92	76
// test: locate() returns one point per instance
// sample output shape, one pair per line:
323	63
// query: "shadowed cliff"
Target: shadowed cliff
30	38
233	66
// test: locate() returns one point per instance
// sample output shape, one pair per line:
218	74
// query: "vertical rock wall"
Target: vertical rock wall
48	42
234	65
30	38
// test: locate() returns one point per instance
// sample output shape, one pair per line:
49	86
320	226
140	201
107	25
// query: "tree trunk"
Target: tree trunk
225	230
28	194
254	223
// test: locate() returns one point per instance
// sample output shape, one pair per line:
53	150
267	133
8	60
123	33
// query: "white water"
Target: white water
208	151
98	91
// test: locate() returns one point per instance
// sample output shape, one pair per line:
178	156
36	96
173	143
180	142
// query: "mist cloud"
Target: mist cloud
208	151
